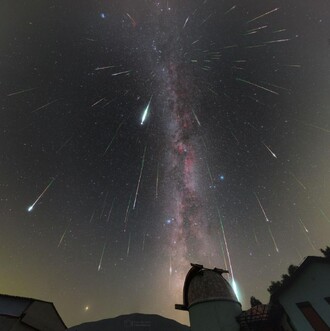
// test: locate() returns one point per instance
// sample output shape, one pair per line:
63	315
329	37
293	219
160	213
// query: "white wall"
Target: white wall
313	285
215	316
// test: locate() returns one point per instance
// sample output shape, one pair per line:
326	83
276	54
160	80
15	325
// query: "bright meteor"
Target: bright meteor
146	111
40	196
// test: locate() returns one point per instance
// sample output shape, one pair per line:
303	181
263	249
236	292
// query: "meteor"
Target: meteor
97	102
45	106
306	232
261	207
129	245
22	91
263	15
103	68
277	41
139	181
101	259
299	182
132	20
113	138
185	23
157	181
110	211
256	85
144	241
273	238
40	196
127	213
196	118
230	9
121	73
274	155
64	233
228	255
146	111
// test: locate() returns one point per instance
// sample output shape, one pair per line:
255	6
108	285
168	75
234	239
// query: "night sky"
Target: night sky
139	136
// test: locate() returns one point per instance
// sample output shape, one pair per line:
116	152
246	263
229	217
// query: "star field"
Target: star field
140	136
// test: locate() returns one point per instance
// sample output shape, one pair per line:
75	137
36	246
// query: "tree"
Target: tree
326	252
292	269
274	286
255	302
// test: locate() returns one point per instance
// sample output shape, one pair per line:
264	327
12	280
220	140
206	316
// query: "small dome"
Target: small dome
203	284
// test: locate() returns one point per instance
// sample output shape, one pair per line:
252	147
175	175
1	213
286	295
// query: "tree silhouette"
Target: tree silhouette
274	286
326	252
255	302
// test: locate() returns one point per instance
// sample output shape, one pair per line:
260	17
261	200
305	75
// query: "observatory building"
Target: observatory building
210	300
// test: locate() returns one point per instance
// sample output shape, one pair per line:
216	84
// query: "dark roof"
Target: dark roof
32	300
303	266
255	314
22	298
202	284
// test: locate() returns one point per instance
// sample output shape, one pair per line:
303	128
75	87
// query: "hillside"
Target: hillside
141	322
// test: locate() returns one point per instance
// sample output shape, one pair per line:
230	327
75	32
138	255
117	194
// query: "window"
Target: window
312	316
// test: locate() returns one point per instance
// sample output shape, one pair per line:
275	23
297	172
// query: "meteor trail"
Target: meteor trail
261	207
303	225
277	41
64	233
306	232
91	219
101	259
127	212
298	181
63	145
40	196
146	111
44	106
139	181
132	20
256	85
255	237
104	204
23	91
316	127
103	68
121	73
185	23
274	155
144	241
196	118
157	180
97	102
230	9
113	138
262	15
128	245
110	211
273	238
227	249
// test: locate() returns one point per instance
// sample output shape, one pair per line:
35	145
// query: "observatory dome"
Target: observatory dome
204	284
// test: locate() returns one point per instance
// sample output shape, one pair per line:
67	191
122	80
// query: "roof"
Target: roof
303	266
255	314
15	306
202	284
